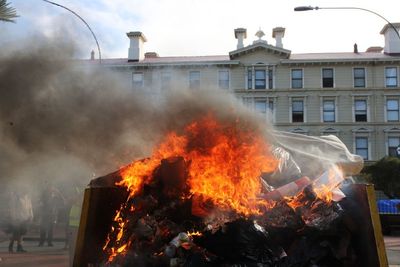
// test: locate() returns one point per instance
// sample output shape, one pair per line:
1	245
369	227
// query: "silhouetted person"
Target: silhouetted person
21	214
48	215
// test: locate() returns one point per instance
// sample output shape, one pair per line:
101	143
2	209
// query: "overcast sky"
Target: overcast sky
201	27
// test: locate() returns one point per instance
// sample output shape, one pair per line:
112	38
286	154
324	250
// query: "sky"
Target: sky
200	27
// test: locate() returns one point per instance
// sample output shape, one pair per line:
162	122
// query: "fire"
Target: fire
225	161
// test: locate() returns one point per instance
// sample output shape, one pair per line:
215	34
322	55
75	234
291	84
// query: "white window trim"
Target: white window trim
138	72
365	77
252	100
188	76
360	97
161	80
322	78
304	98
391	132
385	99
397	77
362	132
321	107
302	78
229	79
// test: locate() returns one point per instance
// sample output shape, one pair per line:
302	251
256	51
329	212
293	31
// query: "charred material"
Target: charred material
168	226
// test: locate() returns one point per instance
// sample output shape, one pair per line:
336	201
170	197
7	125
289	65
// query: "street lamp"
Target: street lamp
308	8
87	25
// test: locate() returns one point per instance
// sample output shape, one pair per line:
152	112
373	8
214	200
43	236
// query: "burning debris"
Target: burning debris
204	199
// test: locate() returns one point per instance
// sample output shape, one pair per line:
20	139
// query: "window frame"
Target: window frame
355	110
323	78
292	79
194	84
324	111
396	77
357	149
388	144
137	84
397	111
363	78
302	112
165	84
264	79
224	84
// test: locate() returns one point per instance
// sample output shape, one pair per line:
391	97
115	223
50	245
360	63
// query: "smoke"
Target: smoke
65	122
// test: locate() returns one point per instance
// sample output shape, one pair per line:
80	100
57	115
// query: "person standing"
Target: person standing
48	215
20	214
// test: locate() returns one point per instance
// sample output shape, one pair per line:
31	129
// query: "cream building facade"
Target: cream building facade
353	95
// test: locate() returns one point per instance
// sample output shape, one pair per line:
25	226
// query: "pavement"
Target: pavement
56	256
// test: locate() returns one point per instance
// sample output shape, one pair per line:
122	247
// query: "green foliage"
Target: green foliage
385	174
7	13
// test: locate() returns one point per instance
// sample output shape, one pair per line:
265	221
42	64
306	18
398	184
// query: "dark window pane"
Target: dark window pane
297	111
249	79
360	107
260	79
327	78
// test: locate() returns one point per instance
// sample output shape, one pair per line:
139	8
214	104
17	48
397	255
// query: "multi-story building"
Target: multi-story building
353	95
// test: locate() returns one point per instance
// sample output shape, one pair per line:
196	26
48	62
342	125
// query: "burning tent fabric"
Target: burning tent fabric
220	194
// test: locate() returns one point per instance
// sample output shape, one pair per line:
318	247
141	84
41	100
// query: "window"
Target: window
393	145
392	106
249	79
297	111
270	79
260	106
194	79
165	80
327	78
391	77
362	147
328	111
297	78
360	110
260	79
137	80
223	79
359	77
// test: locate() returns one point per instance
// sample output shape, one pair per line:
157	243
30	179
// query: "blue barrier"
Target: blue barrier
389	206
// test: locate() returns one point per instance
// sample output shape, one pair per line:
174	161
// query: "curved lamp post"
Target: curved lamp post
308	8
87	25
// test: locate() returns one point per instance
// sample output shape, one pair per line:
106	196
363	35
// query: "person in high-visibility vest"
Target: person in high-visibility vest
73	225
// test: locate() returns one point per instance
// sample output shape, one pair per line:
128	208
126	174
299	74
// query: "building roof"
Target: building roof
339	57
225	59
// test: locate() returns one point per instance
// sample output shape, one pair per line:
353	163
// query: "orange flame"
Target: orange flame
225	163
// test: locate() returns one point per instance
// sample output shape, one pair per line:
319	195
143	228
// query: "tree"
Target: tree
7	13
385	174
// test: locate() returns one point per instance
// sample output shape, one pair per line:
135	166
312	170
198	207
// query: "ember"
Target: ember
203	199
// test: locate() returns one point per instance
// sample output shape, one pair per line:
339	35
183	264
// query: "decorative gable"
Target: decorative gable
260	46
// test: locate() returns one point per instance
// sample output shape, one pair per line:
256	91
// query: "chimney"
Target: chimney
392	40
278	33
240	34
374	49
150	55
355	50
92	55
135	52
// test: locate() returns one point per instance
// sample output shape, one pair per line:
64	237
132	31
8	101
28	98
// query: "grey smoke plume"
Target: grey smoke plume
61	122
